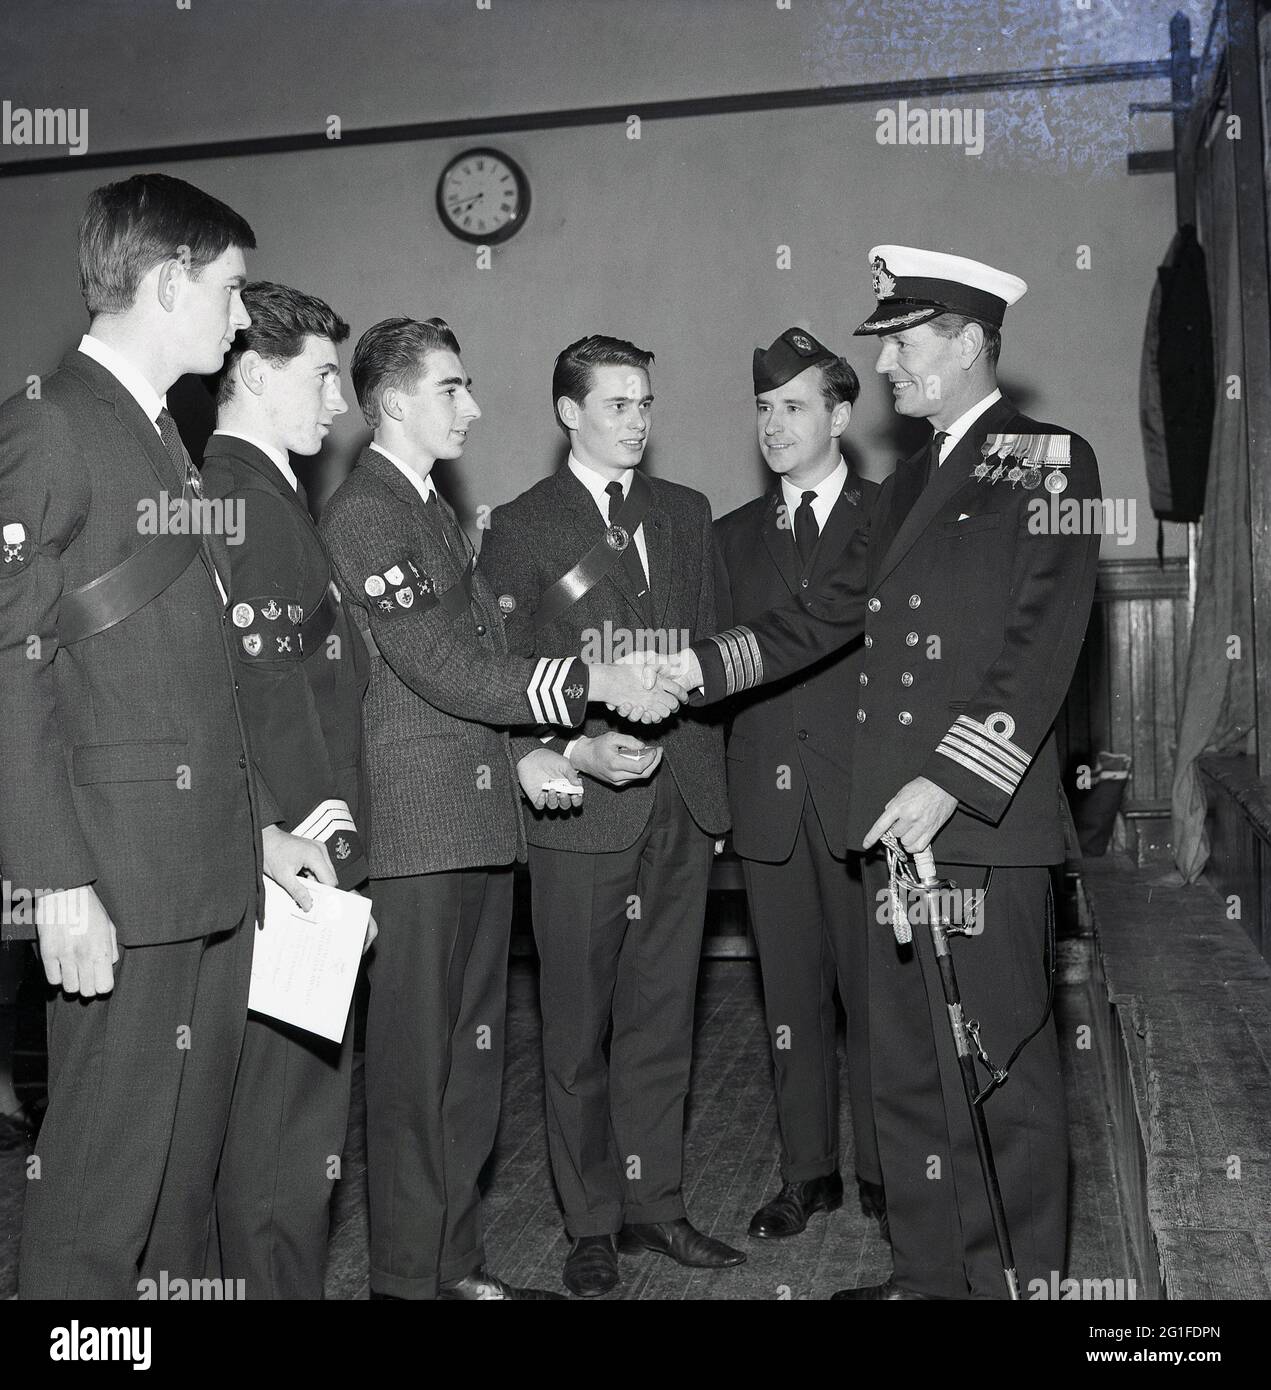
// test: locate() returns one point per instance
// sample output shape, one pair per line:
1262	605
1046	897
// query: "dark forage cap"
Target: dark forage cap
794	352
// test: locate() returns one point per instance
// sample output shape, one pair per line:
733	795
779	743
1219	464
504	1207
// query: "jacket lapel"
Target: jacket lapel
778	539
927	502
659	545
107	387
842	524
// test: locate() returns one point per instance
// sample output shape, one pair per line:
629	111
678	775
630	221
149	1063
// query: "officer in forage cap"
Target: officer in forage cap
974	602
789	768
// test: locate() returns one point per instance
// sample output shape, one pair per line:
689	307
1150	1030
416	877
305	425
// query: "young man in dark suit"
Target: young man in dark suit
124	762
789	767
444	810
595	555
973	591
302	671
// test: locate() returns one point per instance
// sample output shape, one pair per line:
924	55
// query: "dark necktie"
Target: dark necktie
181	461
933	458
806	531
631	565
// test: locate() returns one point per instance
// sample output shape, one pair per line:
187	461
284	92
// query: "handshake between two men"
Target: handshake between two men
643	688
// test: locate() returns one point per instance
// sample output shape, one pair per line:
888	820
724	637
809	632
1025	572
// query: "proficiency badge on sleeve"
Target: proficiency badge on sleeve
405	596
244	615
16	547
395	575
294	612
507	603
272	610
342	850
374	586
252	644
616	538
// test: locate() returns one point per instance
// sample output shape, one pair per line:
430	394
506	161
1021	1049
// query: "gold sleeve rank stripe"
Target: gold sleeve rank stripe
984	750
546	692
743	661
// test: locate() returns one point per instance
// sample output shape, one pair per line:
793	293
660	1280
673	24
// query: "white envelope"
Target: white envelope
304	964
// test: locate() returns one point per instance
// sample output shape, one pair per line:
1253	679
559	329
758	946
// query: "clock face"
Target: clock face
483	196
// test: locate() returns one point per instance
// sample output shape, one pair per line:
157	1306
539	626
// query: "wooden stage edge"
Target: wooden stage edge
1180	1000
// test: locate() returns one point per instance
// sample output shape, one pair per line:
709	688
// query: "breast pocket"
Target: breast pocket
971	525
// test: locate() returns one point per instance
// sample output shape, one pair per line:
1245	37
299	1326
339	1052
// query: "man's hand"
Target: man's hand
608	758
287	856
637	690
914	815
372	931
546	765
78	944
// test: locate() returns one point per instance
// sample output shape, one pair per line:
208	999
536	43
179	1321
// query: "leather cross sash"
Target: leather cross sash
314	629
602	558
454	603
120	592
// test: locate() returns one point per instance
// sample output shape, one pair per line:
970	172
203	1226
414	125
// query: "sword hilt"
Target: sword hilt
925	863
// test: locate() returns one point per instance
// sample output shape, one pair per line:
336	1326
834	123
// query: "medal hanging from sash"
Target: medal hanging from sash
602	558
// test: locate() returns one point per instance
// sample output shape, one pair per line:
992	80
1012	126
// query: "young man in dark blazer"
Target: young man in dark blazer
302	671
445	817
789	768
124	761
592	556
973	590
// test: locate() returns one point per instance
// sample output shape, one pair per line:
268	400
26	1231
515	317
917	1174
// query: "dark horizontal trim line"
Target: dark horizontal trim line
1150	162
1083	75
1140	578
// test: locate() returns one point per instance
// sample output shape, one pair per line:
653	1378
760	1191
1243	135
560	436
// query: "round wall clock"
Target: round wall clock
483	196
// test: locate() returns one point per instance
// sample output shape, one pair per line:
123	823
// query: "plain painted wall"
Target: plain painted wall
671	240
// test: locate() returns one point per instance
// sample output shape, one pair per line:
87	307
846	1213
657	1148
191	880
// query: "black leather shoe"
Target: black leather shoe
482	1285
787	1214
682	1242
592	1267
875	1293
874	1203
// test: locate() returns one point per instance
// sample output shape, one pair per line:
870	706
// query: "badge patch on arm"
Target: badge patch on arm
268	629
399	589
16	548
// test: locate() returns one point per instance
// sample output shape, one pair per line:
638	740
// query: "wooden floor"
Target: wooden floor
730	1165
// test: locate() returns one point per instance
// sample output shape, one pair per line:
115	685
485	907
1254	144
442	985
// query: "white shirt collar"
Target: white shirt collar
277	456
964	422
595	483
126	374
828	491
424	486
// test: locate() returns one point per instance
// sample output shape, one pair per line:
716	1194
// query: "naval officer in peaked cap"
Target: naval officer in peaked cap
973	615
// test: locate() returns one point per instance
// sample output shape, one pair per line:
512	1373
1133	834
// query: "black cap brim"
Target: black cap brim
895	315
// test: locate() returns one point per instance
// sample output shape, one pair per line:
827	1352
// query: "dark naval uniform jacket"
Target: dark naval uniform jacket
796	723
538	537
301	693
973	596
443	787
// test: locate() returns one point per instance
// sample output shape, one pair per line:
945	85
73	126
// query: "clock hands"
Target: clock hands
459	208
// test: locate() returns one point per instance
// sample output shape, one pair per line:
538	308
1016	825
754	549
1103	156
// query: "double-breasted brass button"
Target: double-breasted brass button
864	678
906	678
905	717
911	639
860	716
915	600
875	604
869	641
